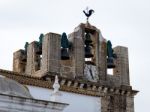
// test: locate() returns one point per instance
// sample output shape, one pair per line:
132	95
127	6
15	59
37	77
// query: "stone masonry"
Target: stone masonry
50	62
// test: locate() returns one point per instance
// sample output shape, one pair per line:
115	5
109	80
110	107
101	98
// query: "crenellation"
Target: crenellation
19	61
32	59
103	62
51	53
122	64
87	56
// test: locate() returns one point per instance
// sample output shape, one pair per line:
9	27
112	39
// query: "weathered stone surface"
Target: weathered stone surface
102	61
129	104
78	52
114	89
67	63
51	53
122	64
32	59
19	61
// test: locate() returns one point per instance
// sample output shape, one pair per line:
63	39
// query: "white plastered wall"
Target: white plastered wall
77	102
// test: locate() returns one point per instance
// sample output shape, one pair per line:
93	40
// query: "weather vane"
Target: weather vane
88	12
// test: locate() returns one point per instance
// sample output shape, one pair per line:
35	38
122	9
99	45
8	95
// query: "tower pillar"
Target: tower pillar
51	54
122	64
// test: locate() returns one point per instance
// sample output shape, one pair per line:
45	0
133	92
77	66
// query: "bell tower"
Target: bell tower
85	51
81	60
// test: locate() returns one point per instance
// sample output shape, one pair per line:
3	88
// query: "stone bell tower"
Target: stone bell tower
86	56
83	56
85	51
84	48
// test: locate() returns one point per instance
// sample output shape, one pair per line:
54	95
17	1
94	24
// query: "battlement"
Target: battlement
84	54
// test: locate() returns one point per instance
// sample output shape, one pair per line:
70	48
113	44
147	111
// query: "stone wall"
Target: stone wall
73	68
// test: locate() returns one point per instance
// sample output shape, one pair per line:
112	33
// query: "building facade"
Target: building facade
81	60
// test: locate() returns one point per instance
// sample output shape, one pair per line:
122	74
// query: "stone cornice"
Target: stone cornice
70	85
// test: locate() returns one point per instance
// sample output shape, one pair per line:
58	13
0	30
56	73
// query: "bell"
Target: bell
110	63
88	53
39	50
64	54
88	38
24	58
23	55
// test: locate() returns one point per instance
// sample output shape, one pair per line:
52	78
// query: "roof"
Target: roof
13	88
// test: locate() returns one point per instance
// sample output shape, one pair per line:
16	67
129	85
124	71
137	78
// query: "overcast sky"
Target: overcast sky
124	22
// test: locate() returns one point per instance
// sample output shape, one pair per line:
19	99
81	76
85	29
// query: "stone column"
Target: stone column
122	64
19	61
51	53
96	50
32	58
79	52
102	58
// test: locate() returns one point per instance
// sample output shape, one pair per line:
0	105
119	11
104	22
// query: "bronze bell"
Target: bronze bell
38	48
39	51
64	54
88	53
23	55
110	62
24	58
88	38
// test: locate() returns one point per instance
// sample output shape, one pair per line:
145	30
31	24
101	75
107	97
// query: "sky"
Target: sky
124	22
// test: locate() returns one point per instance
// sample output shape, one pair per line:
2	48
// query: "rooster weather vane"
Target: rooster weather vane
88	13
